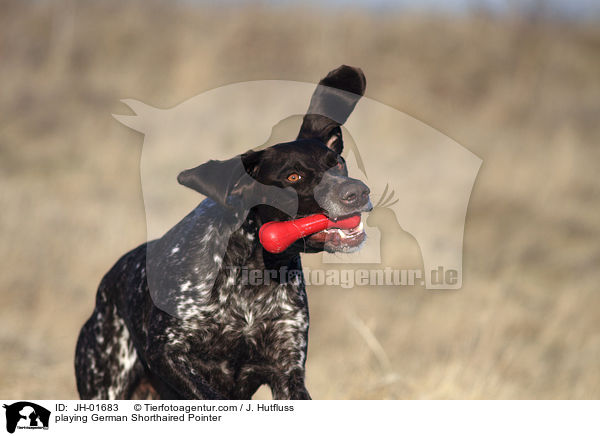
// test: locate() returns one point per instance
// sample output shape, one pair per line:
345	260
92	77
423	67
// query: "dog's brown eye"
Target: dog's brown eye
294	177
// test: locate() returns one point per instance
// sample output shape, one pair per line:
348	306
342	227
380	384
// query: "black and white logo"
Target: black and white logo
26	415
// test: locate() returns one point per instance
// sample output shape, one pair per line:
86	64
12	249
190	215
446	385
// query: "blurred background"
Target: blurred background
516	83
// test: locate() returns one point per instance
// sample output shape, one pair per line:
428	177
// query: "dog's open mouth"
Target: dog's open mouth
340	238
342	234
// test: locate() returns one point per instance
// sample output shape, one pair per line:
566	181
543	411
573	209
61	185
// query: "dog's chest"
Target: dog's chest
237	316
249	318
262	314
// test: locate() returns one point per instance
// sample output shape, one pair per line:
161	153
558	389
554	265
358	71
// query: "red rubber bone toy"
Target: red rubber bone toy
277	236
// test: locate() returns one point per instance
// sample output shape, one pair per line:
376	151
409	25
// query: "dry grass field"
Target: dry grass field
520	91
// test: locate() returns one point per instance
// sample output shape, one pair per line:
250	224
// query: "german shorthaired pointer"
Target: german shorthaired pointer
186	316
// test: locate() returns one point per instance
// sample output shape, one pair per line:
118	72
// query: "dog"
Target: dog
177	317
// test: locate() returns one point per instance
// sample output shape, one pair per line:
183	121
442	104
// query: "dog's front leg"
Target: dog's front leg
174	364
178	372
289	385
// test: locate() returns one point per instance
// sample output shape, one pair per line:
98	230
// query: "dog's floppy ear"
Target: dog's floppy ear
331	104
222	181
232	184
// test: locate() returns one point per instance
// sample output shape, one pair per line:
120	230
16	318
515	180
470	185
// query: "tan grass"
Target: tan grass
523	94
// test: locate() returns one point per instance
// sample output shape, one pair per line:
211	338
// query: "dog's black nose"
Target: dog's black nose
354	193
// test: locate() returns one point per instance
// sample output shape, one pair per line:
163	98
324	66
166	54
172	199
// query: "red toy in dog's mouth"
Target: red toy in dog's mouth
345	234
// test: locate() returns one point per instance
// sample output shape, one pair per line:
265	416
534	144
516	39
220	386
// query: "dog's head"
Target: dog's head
300	178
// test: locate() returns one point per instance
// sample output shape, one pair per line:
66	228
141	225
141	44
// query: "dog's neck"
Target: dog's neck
245	250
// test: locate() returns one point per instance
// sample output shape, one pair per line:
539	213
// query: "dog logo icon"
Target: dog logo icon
420	178
26	415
